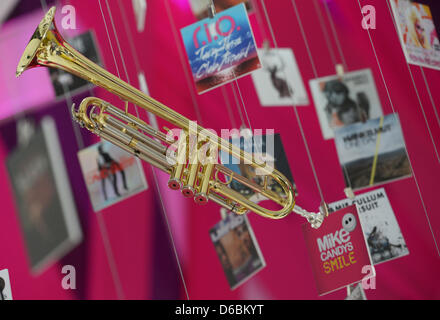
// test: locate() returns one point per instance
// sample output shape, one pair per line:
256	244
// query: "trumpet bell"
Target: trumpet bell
27	60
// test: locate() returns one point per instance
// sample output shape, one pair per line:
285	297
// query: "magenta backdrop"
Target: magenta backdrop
288	274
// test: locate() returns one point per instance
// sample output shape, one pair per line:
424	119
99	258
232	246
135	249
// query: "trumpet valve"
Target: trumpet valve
174	184
188	191
201	198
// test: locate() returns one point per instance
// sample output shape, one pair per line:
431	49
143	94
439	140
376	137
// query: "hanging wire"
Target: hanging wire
392	106
229	108
324	30
101	223
182	61
430	95
164	211
335	35
312	62
293	105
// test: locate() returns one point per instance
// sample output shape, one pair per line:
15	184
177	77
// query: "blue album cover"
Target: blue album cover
221	49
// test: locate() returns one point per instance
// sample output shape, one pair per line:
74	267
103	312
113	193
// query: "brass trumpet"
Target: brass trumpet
195	179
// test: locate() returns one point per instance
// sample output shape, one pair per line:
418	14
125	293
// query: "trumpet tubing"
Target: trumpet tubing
195	178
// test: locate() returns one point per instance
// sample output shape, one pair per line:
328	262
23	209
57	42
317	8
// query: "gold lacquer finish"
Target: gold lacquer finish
48	48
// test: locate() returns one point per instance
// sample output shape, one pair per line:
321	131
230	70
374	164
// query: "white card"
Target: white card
6	293
347	100
140	11
279	82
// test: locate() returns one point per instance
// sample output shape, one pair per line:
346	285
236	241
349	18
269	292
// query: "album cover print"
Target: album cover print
341	101
44	201
111	174
279	82
417	33
200	8
338	251
275	158
371	154
221	49
381	229
64	82
237	249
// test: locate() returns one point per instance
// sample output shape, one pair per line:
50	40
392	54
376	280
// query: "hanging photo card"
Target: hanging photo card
66	83
221	49
200	8
341	101
270	148
279	82
111	174
237	249
381	230
5	285
338	252
355	292
43	196
373	152
417	33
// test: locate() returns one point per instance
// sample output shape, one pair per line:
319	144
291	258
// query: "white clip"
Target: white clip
266	46
25	131
223	213
340	70
211	9
349	193
140	11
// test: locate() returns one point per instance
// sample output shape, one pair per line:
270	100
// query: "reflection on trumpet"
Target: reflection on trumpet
202	180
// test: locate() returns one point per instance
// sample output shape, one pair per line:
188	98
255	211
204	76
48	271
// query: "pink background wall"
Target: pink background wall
136	229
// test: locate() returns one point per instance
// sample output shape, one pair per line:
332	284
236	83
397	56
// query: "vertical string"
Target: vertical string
335	35
312	62
333	55
182	61
324	30
392	106
101	223
430	95
293	105
228	107
152	169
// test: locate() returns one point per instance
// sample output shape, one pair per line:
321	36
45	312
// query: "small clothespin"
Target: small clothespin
25	130
211	9
266	46
340	70
223	213
245	132
349	193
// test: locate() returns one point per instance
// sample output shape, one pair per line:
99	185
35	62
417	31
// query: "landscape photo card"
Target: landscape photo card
221	49
200	8
381	230
373	152
279	82
417	33
341	101
338	251
271	150
44	200
237	249
111	174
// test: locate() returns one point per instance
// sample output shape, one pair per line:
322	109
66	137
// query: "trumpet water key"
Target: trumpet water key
201	180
